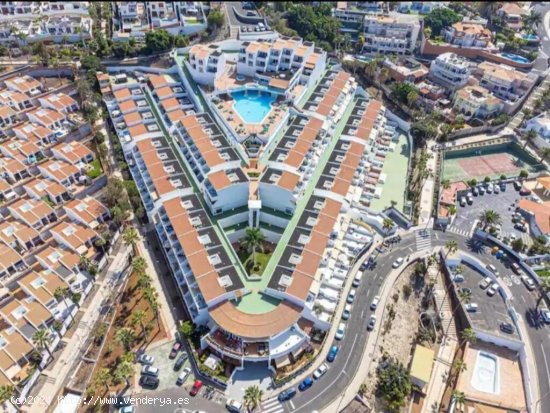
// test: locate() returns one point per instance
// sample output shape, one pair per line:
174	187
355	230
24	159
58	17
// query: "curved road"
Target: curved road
341	372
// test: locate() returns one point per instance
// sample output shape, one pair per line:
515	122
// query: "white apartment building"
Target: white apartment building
476	101
206	63
132	19
391	33
451	70
468	35
59	21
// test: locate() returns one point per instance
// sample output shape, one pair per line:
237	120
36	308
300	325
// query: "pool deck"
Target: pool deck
395	168
511	395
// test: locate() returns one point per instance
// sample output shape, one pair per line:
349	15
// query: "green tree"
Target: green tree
121	49
451	246
253	397
124	371
544	153
186	328
489	217
363	389
41	338
158	41
139	264
387	225
529	137
215	19
130	237
544	288
314	23
139	317
440	18
532	21
459	367
61	294
459	399
517	245
394	385
125	337
467	335
445	183
252	241
103	378
7	391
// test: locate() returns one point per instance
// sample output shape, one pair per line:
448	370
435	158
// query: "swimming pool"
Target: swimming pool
516	58
252	105
486	375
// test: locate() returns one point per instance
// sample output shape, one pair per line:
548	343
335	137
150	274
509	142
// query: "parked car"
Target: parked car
371	323
496	189
347	312
528	282
471	307
486	282
481	190
493	269
465	290
286	394
462	201
175	348
146	359
127	409
397	262
545	314
524	191
475	191
196	387
183	376
492	290
470	198
233	406
507	328
305	384
332	353
357	279
351	296
340	331
515	266
503	186
458	278
149	382
323	368
180	361
375	302
489	188
150	371
517	185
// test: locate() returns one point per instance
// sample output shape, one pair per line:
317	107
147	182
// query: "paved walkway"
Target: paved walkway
440	374
56	378
426	197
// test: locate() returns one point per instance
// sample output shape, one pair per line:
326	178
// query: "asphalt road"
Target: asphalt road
543	32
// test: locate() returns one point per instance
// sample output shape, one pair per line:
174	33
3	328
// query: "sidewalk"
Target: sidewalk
370	345
426	197
55	379
440	373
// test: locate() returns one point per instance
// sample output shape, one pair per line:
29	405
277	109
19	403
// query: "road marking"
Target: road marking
410	249
362	313
523	299
292	405
545	362
436	236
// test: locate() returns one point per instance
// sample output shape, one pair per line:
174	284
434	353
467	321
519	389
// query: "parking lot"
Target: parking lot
503	203
167	374
491	310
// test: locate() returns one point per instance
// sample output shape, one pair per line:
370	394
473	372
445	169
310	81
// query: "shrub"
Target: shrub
487	179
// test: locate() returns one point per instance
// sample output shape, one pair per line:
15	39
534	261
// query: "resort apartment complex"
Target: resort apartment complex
451	70
22	22
393	33
132	19
202	185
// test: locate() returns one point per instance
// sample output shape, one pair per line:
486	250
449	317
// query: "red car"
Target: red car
196	387
174	352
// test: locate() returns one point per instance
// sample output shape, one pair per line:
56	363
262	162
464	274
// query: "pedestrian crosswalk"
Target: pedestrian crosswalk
272	406
460	231
423	240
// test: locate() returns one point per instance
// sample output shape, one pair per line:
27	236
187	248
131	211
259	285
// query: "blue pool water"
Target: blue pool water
515	58
530	36
252	105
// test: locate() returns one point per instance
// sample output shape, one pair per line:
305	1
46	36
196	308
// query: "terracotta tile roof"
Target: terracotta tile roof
73	152
540	211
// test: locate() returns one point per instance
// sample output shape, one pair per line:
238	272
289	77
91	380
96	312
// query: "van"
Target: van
375	302
357	279
462	201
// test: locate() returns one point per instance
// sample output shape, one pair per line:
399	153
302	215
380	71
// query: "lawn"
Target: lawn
262	258
95	170
545	272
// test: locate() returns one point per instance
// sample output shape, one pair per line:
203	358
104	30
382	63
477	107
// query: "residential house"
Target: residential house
88	211
393	33
33	212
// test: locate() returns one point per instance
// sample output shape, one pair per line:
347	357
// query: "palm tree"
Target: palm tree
452	247
253	397
531	21
103	378
468	335
139	317
544	153
139	265
124	371
253	239
545	289
489	217
363	389
446	183
460	366
144	281
7	391
529	136
459	398
452	209
41	339
84	262
130	237
100	243
387	225
126	337
62	293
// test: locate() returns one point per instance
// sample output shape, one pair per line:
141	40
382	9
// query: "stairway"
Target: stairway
443	306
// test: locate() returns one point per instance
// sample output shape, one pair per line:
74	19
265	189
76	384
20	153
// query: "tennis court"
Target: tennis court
492	161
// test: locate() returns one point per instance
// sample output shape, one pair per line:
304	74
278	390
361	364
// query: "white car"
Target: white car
347	312
183	376
397	262
375	302
492	290
529	283
150	371
340	331
145	359
371	323
471	307
234	406
357	279
127	409
317	374
545	314
351	296
489	188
